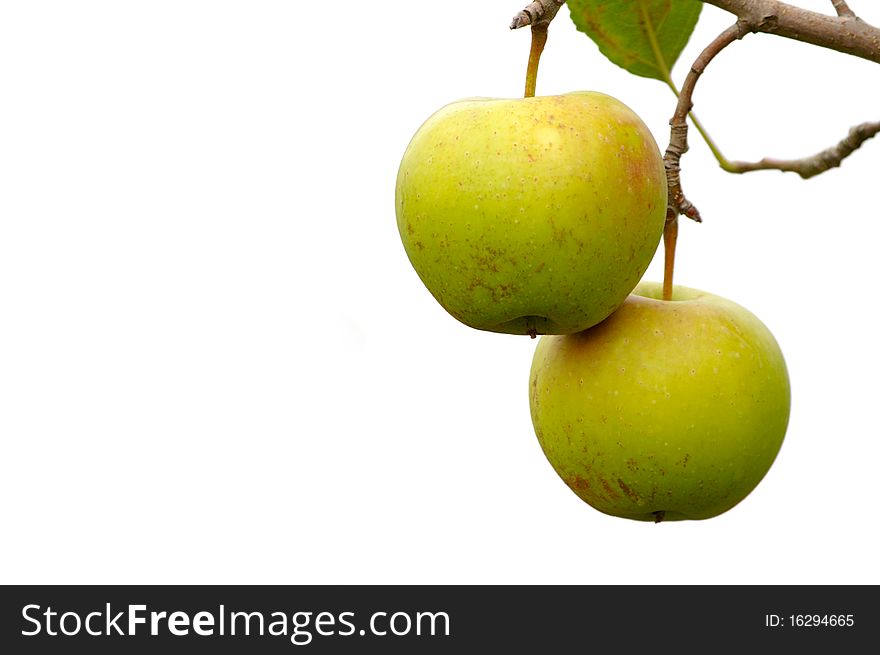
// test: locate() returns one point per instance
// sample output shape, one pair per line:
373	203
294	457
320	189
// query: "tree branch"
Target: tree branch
844	33
843	8
540	11
678	145
820	162
677	203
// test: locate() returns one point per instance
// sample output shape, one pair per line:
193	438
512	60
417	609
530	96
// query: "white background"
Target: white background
217	365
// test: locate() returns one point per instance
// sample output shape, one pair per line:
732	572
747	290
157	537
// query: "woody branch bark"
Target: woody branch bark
842	8
820	162
678	145
844	32
540	11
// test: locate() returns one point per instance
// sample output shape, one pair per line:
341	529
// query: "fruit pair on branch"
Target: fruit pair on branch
539	216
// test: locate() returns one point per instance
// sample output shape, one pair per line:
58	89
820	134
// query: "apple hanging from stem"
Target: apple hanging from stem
532	215
666	410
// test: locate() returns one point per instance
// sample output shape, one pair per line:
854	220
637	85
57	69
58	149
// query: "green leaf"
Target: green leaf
643	36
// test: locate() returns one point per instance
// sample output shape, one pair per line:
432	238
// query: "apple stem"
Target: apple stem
538	14
539	40
659	516
670	238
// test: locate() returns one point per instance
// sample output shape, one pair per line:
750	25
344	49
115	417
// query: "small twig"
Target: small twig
677	203
678	145
777	18
820	162
539	11
843	8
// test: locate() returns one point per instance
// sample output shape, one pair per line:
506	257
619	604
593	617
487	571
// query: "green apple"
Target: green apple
535	215
666	410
